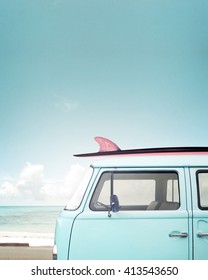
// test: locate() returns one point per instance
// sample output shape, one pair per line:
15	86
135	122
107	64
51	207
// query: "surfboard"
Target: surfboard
109	148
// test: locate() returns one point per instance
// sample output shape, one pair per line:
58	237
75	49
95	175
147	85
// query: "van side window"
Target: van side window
137	191
202	180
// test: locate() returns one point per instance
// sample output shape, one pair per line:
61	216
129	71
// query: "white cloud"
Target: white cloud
64	104
31	181
73	177
56	2
64	189
31	184
69	106
7	190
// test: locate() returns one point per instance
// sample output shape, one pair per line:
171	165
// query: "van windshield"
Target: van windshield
77	197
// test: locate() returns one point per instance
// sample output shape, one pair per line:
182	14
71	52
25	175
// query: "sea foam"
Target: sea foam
30	238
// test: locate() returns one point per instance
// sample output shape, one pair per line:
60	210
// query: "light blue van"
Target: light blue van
138	207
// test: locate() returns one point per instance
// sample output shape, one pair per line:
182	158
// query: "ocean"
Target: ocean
34	225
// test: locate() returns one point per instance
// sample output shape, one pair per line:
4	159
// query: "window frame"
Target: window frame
97	190
200	171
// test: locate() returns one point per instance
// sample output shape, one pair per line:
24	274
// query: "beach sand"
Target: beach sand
20	252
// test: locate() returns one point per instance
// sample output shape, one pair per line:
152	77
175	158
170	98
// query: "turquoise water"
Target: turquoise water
29	218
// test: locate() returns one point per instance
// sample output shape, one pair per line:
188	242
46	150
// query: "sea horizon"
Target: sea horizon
34	225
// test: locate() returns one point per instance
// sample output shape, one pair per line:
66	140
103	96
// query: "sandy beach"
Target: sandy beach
25	252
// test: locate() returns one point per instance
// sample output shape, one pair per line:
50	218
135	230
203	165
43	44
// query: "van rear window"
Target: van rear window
137	191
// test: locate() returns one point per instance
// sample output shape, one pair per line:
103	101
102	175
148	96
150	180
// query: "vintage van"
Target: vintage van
138	204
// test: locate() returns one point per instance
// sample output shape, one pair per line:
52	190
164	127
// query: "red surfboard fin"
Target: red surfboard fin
106	145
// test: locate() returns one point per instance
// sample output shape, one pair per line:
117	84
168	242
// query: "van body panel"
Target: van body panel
181	234
64	225
132	234
153	161
127	236
200	218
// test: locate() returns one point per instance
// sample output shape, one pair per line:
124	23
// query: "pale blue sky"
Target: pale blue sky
134	71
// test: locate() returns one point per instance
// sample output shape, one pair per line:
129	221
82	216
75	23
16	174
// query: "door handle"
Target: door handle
200	234
182	234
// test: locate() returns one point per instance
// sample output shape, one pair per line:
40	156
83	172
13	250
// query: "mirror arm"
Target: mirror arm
107	207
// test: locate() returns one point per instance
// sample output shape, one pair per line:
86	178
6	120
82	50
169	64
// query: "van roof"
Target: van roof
155	160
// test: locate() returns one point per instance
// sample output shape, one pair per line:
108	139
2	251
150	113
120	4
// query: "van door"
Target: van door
199	180
151	221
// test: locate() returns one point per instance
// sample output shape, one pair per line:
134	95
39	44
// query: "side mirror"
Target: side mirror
114	203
